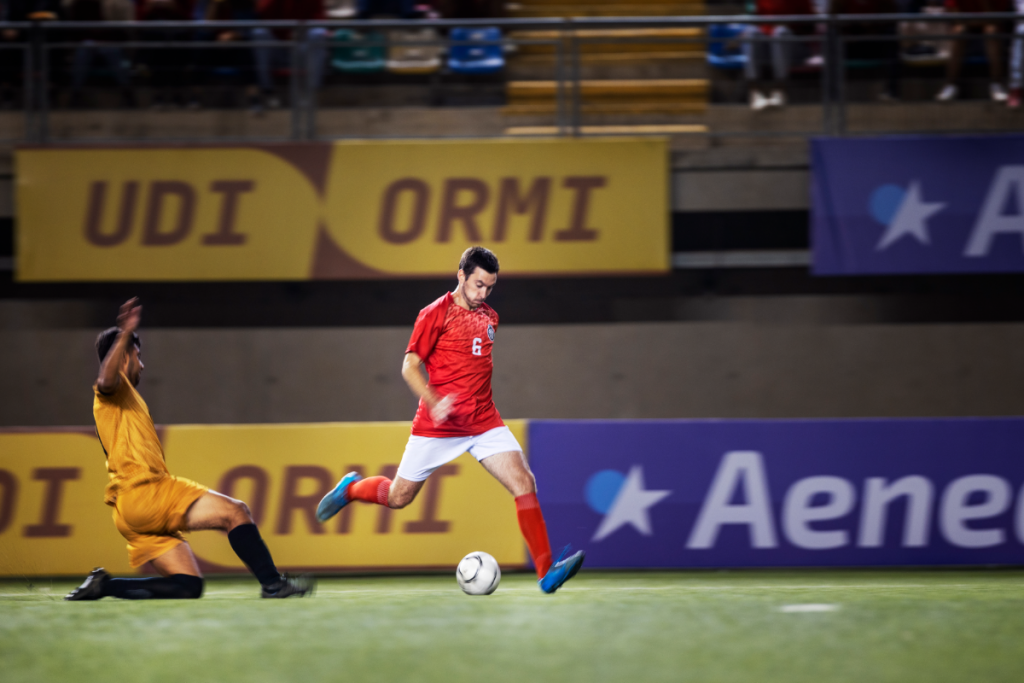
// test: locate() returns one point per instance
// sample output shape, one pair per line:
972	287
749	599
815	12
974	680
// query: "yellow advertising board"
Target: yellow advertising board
344	210
53	521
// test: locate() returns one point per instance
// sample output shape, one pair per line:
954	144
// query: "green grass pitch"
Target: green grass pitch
761	626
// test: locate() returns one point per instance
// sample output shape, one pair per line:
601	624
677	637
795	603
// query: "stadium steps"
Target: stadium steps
636	97
530	9
614	67
611	53
634	72
642	129
609	44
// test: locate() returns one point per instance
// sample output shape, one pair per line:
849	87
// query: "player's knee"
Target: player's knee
244	511
232	513
189	587
523	482
239	513
525	485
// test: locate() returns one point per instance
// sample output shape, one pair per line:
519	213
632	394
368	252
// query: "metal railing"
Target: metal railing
568	39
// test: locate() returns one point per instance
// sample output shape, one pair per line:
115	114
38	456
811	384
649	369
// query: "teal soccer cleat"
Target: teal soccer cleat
562	570
335	500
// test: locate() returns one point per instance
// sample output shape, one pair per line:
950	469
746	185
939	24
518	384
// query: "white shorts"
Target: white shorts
424	454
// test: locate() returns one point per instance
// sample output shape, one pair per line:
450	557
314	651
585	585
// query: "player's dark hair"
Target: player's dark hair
478	257
105	341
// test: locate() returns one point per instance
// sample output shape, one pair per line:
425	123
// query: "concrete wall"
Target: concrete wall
649	370
722	174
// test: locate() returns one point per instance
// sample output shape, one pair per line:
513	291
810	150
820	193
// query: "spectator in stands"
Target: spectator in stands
32	10
171	69
12	61
403	9
1017	61
921	39
97	43
781	52
993	50
884	51
268	58
471	9
340	9
235	61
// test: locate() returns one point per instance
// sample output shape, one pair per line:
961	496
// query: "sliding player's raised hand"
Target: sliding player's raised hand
130	316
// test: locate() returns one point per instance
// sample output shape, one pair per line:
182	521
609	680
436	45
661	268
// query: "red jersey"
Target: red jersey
455	345
978	6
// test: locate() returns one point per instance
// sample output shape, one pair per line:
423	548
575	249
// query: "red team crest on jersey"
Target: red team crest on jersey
455	345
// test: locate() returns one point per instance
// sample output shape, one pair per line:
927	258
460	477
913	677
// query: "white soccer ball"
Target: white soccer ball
478	574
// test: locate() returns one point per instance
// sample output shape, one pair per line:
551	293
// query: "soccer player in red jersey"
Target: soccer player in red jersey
453	338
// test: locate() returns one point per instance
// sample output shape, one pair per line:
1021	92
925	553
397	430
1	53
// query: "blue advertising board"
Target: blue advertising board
794	493
905	205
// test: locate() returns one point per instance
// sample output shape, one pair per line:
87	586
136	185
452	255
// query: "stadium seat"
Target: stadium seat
484	57
414	59
724	48
355	52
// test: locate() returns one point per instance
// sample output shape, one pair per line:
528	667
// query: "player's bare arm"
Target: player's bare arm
128	320
412	373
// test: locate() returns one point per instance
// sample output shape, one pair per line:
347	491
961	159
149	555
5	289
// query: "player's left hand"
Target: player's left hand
130	316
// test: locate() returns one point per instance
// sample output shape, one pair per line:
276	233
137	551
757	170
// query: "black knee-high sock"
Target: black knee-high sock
176	586
247	543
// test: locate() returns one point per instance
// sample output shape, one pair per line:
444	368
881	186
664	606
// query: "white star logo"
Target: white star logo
910	218
630	506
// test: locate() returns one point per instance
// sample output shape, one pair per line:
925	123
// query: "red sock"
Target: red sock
531	524
371	489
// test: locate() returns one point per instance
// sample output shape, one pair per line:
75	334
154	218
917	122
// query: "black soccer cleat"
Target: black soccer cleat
291	587
92	587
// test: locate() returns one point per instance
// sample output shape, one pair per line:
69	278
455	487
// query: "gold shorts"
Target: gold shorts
151	516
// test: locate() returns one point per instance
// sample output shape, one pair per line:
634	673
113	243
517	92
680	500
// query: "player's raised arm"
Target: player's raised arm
110	369
439	406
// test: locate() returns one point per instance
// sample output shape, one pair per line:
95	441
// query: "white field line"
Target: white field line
809	607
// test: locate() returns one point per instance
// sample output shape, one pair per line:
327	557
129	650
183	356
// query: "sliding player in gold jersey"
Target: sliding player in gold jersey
151	506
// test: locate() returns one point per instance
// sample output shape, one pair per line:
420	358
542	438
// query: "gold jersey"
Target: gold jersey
128	437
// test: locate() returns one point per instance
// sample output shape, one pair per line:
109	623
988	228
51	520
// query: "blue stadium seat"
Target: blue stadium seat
486	57
725	51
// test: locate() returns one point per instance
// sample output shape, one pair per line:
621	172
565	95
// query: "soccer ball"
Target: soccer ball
478	574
